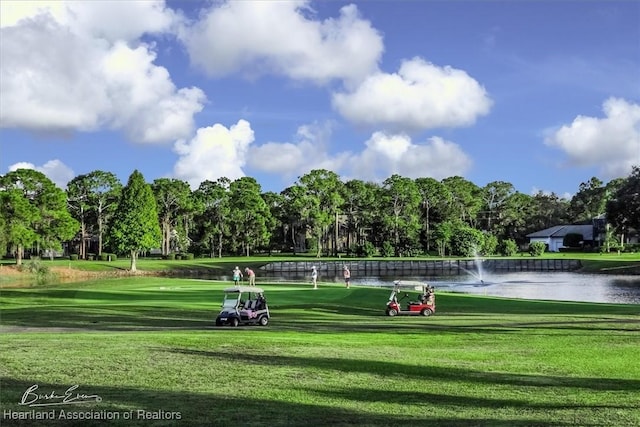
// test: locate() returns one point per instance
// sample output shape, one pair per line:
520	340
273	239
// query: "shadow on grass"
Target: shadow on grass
114	318
214	408
165	314
194	305
419	372
435	399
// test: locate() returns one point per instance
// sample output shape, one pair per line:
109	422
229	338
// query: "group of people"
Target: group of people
238	276
346	274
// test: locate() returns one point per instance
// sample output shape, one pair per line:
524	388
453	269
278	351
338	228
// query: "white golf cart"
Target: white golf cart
243	305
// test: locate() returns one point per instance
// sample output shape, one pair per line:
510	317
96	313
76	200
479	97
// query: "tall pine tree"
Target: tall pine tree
135	226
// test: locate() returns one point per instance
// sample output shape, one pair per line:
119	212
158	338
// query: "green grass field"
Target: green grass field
328	357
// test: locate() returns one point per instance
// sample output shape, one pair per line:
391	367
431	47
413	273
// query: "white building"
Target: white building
554	237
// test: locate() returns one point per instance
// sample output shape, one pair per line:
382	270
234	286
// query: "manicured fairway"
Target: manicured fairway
328	357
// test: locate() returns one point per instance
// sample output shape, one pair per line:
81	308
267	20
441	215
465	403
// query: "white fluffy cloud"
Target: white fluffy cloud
383	155
388	154
611	143
66	67
110	20
419	96
290	159
282	37
214	152
55	170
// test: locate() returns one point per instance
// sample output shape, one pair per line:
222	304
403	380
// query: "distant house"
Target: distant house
554	237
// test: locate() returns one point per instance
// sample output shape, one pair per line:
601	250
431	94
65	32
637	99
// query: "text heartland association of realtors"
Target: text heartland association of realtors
61	414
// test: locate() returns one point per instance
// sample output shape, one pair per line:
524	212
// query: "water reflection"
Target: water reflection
542	286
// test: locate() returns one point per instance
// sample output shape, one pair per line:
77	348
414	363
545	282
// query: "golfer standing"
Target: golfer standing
237	275
347	276
251	275
314	277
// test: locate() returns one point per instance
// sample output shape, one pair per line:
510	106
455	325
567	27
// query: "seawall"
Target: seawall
424	267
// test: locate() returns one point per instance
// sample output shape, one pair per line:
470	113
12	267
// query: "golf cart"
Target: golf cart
243	305
424	303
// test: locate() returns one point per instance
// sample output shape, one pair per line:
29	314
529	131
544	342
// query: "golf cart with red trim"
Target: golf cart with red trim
243	305
423	304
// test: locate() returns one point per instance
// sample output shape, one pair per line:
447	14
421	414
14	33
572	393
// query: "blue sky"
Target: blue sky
542	94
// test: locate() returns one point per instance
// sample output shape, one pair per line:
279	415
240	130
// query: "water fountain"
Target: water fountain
479	273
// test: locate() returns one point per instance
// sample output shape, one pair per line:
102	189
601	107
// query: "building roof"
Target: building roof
562	230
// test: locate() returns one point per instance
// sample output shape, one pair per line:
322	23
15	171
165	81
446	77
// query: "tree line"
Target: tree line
319	213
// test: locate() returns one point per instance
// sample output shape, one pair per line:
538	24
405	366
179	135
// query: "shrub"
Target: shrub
508	247
366	249
387	249
466	241
41	271
73	257
537	248
489	244
187	256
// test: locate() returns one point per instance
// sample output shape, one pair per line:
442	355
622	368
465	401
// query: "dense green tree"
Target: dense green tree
249	216
322	197
135	226
93	198
442	234
548	210
494	197
359	199
589	202
106	190
400	211
297	209
623	210
173	198
4	227
434	198
212	212
47	215
465	201
277	220
78	194
19	216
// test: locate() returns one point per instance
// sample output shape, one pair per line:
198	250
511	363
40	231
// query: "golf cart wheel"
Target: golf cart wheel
426	312
264	321
392	312
234	322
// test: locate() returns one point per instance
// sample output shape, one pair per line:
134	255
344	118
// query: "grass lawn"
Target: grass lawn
328	357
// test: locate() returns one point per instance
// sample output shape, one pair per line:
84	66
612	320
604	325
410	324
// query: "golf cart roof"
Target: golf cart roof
240	289
410	284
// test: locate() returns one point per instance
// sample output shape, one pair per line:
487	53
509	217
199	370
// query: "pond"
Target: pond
560	286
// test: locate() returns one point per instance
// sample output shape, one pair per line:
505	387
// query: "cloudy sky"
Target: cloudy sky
541	94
